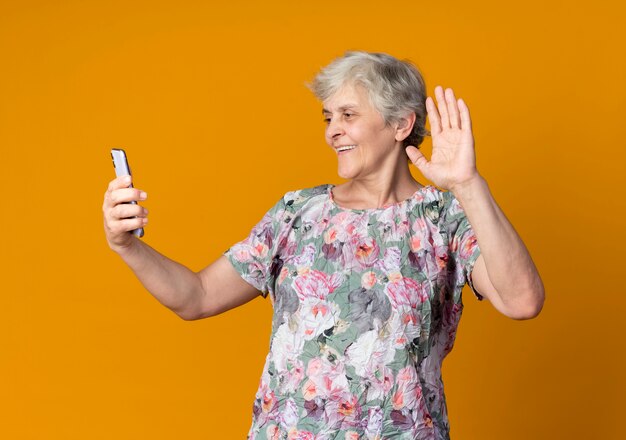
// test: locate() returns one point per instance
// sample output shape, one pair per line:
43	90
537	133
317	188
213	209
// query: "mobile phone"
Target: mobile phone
120	162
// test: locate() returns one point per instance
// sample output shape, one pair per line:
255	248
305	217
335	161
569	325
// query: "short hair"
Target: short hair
395	88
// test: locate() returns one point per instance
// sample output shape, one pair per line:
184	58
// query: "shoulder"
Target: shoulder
434	199
444	201
452	220
297	199
439	206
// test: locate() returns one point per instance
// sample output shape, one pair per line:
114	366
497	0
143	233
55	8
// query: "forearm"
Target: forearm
509	265
172	284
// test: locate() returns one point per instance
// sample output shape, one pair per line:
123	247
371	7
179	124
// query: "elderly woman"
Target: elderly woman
365	277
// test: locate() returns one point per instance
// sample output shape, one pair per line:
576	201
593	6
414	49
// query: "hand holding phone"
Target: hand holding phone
120	162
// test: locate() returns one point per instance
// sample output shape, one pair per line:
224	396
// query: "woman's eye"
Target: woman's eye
348	115
327	120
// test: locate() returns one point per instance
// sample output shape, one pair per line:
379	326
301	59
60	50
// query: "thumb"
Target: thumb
417	158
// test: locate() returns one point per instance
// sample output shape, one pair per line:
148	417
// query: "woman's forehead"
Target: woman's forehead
348	96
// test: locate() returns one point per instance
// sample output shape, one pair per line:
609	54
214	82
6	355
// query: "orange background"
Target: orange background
209	102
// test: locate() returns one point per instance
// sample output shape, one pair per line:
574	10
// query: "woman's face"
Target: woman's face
358	133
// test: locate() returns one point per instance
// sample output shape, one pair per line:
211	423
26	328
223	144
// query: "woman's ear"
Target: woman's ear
405	126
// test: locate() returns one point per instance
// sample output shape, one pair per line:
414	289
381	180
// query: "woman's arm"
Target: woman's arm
190	295
505	272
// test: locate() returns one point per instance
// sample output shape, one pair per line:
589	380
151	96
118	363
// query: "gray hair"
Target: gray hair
396	88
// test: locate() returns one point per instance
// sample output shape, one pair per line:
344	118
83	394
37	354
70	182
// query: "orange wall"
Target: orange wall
210	103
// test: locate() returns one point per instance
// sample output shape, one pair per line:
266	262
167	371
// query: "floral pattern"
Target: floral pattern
366	307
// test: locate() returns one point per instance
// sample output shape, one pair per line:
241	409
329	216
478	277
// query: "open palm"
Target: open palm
453	160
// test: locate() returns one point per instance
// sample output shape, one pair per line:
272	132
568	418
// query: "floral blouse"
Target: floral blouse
366	306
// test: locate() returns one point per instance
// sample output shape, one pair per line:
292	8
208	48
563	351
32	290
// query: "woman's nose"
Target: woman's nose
334	130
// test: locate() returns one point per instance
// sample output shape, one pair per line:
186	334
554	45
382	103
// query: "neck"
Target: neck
391	183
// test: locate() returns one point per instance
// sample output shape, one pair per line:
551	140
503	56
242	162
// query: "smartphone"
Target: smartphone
120	162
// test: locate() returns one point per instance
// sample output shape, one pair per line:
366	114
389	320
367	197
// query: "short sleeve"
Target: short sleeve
253	257
463	244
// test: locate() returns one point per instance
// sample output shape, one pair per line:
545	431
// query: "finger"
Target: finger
433	116
115	184
120	182
466	120
417	158
442	107
453	110
124	211
126	195
129	224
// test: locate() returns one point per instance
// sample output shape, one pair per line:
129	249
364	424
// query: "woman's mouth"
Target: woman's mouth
345	148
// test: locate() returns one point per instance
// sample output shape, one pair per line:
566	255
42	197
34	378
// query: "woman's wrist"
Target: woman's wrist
127	249
468	189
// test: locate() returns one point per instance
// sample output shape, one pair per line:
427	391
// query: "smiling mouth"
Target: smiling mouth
345	148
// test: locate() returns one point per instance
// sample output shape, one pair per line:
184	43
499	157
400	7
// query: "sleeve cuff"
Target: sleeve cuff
244	274
470	268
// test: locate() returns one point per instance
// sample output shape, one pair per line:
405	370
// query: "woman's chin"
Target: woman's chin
346	172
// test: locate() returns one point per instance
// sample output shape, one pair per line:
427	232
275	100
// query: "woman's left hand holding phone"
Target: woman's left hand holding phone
121	216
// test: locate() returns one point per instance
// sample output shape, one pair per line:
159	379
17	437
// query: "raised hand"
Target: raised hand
453	161
120	216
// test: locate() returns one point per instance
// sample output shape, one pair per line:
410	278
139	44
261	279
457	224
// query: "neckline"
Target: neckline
331	197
